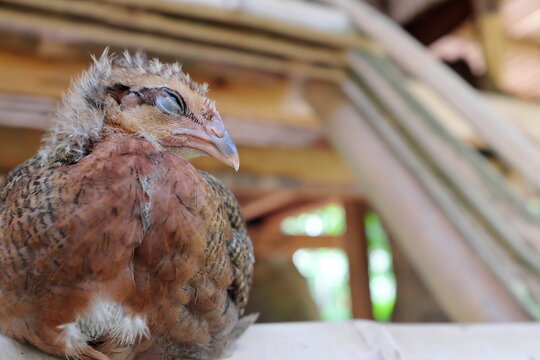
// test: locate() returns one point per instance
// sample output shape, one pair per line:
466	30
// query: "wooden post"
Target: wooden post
356	247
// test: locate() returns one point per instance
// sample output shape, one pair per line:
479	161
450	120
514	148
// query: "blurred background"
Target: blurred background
389	149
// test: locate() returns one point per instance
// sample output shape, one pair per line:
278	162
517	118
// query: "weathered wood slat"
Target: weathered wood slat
261	15
21	111
34	112
366	340
244	96
76	32
120	16
268	203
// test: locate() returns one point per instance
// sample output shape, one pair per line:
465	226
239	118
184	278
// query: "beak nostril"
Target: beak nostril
214	131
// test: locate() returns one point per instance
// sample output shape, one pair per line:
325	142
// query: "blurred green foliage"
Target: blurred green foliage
382	281
328	220
328	279
327	270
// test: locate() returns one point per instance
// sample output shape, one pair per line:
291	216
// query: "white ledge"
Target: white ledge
367	340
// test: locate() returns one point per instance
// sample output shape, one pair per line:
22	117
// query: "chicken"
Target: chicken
112	245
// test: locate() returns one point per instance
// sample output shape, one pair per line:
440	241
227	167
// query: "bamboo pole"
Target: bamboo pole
513	146
496	183
465	287
471	230
458	174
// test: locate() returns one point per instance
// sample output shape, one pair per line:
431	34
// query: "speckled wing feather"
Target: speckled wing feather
62	240
239	246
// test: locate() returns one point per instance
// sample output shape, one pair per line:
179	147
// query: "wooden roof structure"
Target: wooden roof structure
291	74
518	37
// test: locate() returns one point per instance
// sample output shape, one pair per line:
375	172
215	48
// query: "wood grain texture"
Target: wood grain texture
368	340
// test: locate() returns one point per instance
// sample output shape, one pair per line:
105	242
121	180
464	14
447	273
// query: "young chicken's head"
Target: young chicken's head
160	102
132	95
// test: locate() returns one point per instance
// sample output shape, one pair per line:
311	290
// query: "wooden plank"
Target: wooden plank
266	244
356	248
429	238
294	168
250	185
17	145
29	75
10	349
31	112
461	341
145	21
242	95
268	203
78	32
303	165
366	340
244	13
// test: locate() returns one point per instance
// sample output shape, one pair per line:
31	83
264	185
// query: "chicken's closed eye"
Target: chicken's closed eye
170	103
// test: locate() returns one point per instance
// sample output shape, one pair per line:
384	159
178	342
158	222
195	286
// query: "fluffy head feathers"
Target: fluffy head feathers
79	119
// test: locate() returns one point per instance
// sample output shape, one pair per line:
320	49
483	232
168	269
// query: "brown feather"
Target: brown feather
76	231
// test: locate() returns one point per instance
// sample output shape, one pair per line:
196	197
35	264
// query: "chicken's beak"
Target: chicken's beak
216	144
227	150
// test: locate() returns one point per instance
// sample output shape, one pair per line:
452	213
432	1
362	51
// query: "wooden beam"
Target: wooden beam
286	245
356	248
317	165
268	203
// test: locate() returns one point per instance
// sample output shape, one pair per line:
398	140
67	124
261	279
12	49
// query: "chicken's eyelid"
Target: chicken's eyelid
170	103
